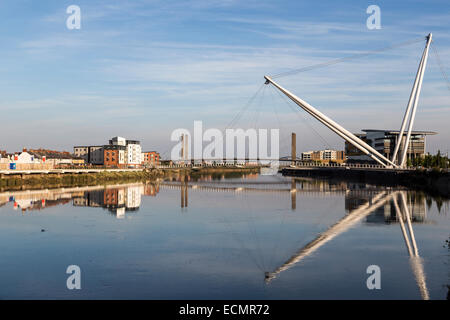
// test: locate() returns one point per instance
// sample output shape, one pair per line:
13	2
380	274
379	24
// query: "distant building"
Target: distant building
96	155
384	141
90	154
151	158
25	157
55	158
324	155
118	141
120	152
114	156
133	150
82	152
133	153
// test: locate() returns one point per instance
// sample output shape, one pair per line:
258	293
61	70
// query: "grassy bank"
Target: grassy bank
213	173
67	180
107	177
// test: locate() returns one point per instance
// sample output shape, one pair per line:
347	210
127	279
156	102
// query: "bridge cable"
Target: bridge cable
441	66
299	114
285	137
339	60
237	117
258	107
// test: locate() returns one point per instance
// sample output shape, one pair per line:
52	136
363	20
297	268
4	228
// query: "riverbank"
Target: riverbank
74	179
433	182
30	181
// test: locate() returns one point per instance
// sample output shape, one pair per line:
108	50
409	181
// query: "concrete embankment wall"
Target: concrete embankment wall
76	179
28	166
430	181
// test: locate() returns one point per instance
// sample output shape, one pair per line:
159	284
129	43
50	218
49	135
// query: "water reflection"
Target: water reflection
117	199
415	260
363	204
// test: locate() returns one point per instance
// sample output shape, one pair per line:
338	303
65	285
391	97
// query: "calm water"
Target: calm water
249	237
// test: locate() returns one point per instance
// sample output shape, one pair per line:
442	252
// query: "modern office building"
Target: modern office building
384	141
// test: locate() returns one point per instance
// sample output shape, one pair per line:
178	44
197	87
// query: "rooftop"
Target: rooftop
421	132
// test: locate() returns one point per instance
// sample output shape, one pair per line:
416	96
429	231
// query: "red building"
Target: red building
114	156
151	158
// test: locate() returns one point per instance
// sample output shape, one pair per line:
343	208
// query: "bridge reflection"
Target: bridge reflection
375	201
127	197
363	203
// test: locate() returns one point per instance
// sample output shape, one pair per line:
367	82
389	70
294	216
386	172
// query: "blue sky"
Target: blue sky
141	69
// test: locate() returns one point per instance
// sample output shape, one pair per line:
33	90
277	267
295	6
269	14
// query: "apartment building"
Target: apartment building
133	150
90	154
326	155
120	152
151	158
133	153
114	156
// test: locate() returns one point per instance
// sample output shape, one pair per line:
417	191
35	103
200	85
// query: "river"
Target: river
216	237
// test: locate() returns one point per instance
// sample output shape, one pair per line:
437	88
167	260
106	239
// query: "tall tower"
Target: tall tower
294	148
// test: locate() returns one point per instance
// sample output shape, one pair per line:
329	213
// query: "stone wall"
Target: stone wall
28	166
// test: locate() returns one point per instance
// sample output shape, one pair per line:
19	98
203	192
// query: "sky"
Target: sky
141	69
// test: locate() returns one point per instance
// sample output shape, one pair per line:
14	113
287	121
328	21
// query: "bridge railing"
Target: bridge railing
281	163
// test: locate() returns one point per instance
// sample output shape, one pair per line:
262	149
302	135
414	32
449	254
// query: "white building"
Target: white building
133	150
25	157
130	152
118	141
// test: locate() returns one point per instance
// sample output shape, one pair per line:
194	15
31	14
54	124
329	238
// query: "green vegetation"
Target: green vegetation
68	180
9	182
437	161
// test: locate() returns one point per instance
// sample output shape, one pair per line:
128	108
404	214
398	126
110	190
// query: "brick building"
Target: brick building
114	156
151	159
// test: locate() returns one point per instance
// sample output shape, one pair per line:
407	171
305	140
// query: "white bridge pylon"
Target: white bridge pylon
353	139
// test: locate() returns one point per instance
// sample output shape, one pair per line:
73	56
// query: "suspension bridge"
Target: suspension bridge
397	157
